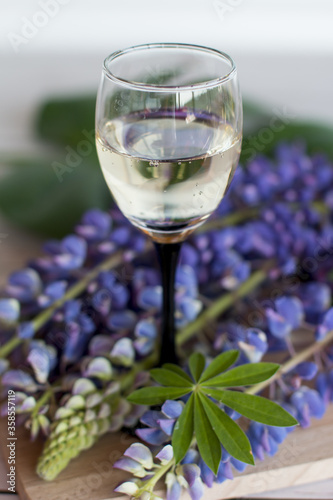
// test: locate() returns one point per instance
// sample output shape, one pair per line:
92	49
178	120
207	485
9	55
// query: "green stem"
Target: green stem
221	305
248	213
151	483
292	362
42	401
228	220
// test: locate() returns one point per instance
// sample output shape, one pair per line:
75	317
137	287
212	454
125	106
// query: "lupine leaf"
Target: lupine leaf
183	431
197	365
219	364
228	432
169	378
178	370
156	395
207	441
251	373
254	407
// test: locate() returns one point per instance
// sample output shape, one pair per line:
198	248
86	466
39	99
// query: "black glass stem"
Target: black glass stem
168	254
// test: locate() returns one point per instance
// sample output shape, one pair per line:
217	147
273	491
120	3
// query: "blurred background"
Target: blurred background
55	48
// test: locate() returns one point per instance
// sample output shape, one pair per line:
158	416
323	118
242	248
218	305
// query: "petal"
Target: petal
306	370
26	330
83	386
152	436
291	308
128	488
9	310
99	367
40	362
172	409
130	465
167	425
122	320
123	352
146	328
141	454
277	324
18	379
190	472
166	454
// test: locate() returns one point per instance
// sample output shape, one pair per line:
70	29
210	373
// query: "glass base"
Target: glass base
172	232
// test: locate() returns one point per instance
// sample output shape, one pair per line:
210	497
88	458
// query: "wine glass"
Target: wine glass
168	133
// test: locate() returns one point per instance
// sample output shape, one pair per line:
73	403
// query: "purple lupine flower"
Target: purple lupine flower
95	225
278	326
121	320
191	473
291	309
160	423
52	292
174	488
306	370
18	379
24	285
150	297
165	454
224	472
42	358
255	344
9	310
123	352
145	333
26	330
140	453
316	298
326	325
308	403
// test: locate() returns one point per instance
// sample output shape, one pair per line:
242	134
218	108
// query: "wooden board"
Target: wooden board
305	456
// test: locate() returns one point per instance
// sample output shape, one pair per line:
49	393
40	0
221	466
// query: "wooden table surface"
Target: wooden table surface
16	247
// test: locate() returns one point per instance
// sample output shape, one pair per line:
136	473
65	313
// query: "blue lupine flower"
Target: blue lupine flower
306	370
52	292
255	345
24	285
9	310
95	225
308	403
121	320
326	325
150	297
291	309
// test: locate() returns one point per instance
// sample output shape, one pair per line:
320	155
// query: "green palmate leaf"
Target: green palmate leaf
207	441
251	373
197	365
169	378
219	365
176	369
254	407
156	395
183	431
228	432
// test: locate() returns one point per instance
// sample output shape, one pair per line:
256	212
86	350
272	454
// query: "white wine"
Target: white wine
168	170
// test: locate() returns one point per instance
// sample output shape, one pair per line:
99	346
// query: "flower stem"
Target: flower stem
220	305
292	362
42	400
151	483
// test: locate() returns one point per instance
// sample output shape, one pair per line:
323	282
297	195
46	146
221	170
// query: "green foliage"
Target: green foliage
202	418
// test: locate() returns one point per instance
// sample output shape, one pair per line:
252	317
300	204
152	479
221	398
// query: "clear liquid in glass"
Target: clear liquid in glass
168	170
